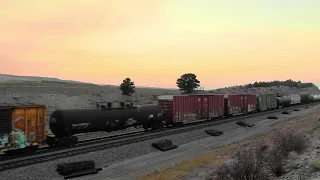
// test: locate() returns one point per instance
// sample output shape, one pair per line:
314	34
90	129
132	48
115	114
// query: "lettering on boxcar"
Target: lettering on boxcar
81	125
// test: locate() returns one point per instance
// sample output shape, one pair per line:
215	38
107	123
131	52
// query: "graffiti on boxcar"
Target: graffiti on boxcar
234	109
3	141
251	107
32	136
15	140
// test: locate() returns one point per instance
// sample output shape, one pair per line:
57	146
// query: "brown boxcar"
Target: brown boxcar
239	104
216	106
22	126
251	103
190	108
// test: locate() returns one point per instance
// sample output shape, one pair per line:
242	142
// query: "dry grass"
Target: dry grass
184	168
318	132
298	123
292	155
315	165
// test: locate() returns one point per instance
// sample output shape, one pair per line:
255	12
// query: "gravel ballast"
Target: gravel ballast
117	155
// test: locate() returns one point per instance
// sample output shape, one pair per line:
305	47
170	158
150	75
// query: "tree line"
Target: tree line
188	83
288	83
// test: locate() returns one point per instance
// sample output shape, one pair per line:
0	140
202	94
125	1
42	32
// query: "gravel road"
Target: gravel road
126	162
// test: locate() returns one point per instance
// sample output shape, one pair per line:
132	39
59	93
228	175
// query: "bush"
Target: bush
291	141
275	160
247	164
253	163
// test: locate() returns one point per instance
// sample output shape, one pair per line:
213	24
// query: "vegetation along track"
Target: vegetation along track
95	145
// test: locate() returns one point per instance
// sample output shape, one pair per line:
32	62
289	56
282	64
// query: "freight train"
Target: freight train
24	127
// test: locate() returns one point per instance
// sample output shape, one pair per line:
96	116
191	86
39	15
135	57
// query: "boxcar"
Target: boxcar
262	102
22	127
266	102
179	109
239	104
271	101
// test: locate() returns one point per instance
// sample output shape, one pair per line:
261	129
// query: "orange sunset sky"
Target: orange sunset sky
153	42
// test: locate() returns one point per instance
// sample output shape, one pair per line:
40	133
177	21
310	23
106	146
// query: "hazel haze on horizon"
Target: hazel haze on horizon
154	42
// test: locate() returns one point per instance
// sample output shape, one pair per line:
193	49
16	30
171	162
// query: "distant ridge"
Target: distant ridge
8	77
49	80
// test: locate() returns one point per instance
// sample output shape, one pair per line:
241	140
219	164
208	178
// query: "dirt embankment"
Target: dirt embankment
281	90
72	95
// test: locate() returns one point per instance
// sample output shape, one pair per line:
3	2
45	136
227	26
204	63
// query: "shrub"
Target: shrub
275	160
263	147
291	141
315	165
247	164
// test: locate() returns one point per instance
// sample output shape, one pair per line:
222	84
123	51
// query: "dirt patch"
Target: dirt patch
184	168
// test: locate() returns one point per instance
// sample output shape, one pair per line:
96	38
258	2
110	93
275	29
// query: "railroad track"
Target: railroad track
104	143
46	149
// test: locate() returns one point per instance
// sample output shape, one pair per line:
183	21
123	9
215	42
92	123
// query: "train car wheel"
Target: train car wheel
156	126
73	140
67	141
31	149
51	141
146	127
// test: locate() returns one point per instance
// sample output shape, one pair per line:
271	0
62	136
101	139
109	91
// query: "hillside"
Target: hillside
280	90
8	77
56	93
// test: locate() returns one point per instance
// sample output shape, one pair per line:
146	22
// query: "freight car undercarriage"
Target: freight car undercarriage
71	140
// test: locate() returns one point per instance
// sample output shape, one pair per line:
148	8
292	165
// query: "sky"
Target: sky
154	42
